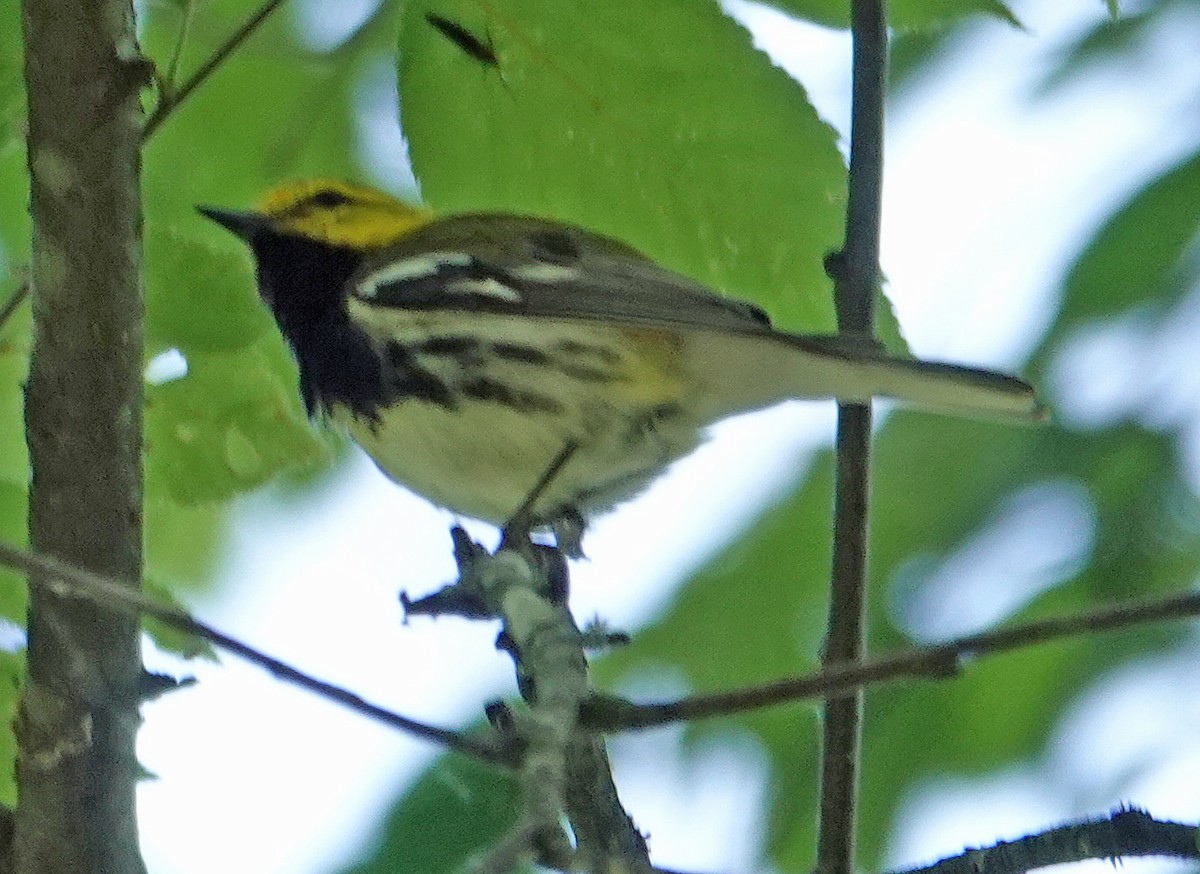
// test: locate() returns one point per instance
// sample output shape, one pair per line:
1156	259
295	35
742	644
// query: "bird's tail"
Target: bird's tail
745	373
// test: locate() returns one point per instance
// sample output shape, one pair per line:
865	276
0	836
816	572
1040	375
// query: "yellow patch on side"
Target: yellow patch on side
654	373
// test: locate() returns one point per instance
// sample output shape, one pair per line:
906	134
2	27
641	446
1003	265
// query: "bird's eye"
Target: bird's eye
328	198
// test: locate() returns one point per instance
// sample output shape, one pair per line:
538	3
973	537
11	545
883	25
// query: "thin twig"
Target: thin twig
111	594
168	105
11	305
520	522
855	271
930	662
845	641
1121	835
185	29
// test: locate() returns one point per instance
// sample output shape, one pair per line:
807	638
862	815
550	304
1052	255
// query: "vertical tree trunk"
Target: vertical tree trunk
76	768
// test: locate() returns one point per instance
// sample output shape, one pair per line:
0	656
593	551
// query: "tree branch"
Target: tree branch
68	581
565	770
855	271
611	714
76	767
1123	834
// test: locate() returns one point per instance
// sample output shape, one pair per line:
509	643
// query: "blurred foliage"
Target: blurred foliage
663	126
451	814
902	14
1140	257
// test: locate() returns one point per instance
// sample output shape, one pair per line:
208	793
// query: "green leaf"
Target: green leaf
456	810
14	366
167	637
12	86
615	120
199	298
1116	41
228	426
183	542
14	531
902	14
1136	255
923	14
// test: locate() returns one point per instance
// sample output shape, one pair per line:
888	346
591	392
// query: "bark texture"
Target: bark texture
76	767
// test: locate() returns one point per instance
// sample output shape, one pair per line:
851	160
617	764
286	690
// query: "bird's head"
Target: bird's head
332	213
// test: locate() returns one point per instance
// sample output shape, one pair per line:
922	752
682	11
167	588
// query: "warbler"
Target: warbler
475	357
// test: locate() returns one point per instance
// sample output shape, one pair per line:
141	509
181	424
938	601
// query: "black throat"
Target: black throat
306	285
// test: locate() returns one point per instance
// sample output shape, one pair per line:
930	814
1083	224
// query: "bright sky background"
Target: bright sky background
986	197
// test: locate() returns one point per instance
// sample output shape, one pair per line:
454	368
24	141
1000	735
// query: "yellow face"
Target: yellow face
340	213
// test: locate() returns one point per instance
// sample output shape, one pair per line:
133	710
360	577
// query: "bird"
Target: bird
510	366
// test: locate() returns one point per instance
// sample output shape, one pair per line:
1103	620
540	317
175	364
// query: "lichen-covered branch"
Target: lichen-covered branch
564	769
